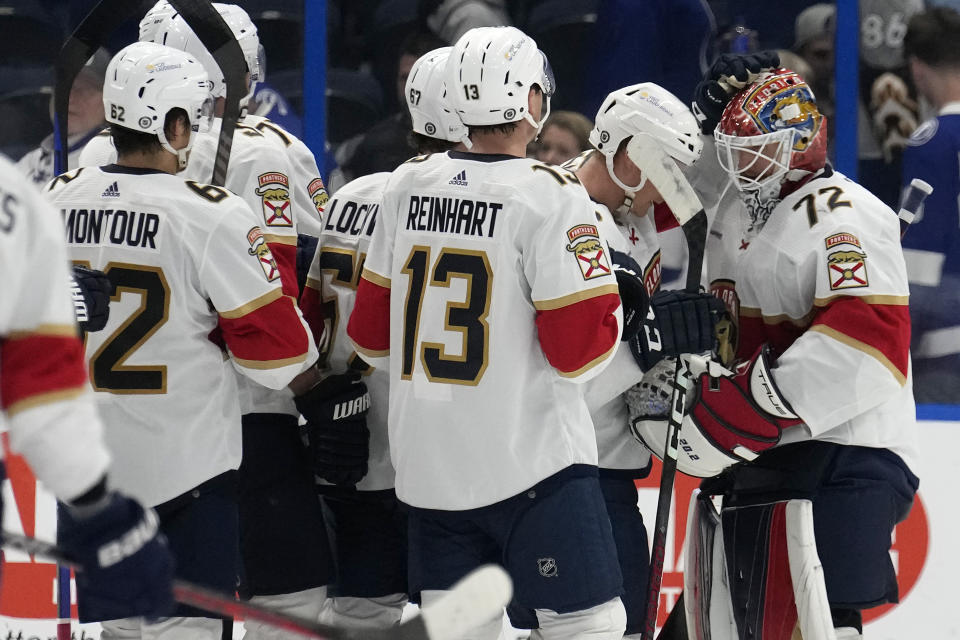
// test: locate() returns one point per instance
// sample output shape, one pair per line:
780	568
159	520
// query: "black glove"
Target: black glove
337	435
91	297
678	322
126	567
730	73
633	293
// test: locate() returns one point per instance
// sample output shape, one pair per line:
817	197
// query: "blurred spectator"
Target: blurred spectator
564	135
813	41
385	145
450	19
84	121
931	247
794	62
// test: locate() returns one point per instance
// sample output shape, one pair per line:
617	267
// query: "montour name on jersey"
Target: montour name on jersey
452	215
113	226
351	218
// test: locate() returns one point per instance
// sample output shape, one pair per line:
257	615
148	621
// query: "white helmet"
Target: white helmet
489	75
169	28
647	110
428	101
144	81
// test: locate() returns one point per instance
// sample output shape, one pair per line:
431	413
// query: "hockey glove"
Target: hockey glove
91	297
126	567
729	74
676	322
633	293
731	418
337	435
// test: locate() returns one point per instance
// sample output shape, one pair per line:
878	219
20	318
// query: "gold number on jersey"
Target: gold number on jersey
208	191
468	317
107	368
833	202
560	175
344	269
64	178
275	129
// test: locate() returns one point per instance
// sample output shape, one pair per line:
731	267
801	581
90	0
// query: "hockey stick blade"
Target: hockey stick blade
913	197
92	32
478	597
219	40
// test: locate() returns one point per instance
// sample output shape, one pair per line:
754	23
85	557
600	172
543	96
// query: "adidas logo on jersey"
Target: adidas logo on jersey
460	179
113	191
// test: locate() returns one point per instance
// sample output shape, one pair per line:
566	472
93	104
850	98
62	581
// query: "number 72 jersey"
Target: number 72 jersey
187	260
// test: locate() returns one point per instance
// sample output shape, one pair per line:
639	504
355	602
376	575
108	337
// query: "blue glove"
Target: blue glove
633	293
337	434
126	568
91	297
677	322
734	71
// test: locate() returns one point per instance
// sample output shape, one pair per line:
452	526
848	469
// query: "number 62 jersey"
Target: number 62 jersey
187	260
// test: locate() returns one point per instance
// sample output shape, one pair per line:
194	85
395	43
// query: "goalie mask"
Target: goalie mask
164	25
428	101
490	72
650	112
770	132
145	81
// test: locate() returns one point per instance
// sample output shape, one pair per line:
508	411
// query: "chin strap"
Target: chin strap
628	192
182	154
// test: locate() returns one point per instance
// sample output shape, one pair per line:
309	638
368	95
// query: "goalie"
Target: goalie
818	406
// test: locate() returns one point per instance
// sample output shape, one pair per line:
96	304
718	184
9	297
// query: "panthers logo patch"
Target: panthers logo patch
274	191
259	248
847	270
589	252
318	192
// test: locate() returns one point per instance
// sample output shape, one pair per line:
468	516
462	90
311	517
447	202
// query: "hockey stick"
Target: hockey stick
219	40
475	599
686	208
916	192
89	35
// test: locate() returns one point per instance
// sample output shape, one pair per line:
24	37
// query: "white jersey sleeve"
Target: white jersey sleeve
44	394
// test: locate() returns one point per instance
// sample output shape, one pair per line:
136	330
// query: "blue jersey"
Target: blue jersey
932	252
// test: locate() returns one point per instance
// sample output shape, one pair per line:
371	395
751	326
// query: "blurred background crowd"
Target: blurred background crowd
907	98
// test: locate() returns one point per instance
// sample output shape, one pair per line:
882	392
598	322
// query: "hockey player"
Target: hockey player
284	545
48	408
187	260
488	284
368	522
932	247
819	405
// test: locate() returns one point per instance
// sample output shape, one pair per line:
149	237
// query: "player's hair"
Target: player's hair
426	144
505	128
932	37
128	141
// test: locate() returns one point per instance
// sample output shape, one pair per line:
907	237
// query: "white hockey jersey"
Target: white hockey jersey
824	282
499	293
259	172
331	288
190	265
44	396
38	164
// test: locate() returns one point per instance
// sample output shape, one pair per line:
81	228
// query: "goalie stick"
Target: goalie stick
686	208
475	599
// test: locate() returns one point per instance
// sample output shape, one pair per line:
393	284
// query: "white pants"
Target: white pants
364	613
163	629
606	621
302	604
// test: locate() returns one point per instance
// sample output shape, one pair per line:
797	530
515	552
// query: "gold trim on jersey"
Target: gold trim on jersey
589	365
253	305
41	399
313	283
270	364
901	301
41	330
579	296
273	238
863	347
370	353
375	278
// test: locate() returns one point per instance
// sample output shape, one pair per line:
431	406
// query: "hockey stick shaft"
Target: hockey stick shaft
219	40
476	598
916	192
